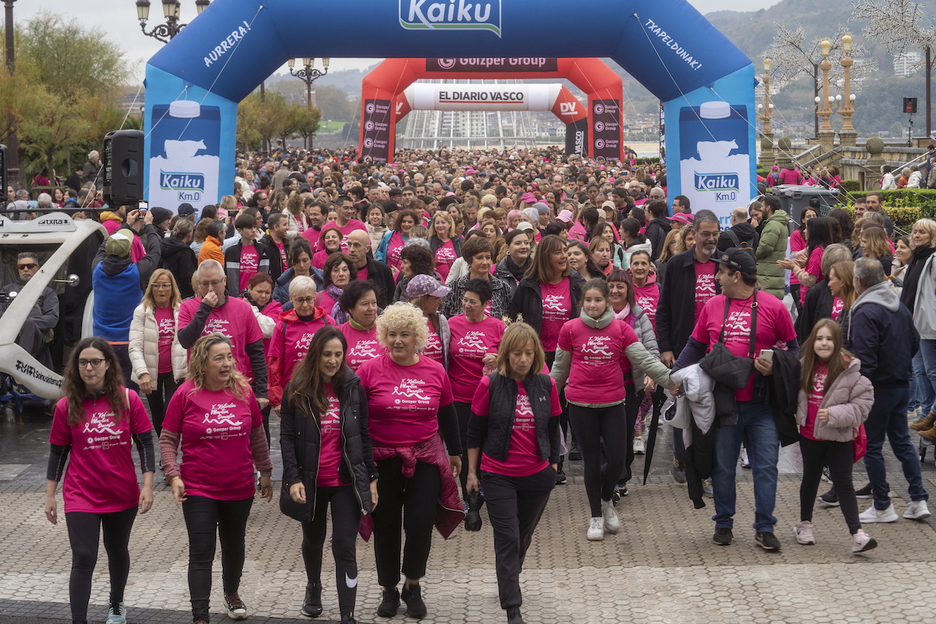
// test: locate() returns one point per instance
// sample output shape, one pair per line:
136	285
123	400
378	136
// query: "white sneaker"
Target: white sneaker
803	531
744	458
917	511
639	446
861	541
609	517
874	515
595	530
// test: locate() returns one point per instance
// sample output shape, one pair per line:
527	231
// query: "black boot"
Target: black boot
389	603
312	605
412	596
513	616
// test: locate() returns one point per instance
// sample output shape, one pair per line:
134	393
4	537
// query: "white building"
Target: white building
906	63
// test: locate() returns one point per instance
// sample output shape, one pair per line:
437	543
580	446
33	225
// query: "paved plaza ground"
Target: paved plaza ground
662	567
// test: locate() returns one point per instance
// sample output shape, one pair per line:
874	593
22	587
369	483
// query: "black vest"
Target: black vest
503	394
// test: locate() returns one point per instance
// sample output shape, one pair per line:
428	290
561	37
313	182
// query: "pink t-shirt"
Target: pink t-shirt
648	296
362	345
797	244
319	258
433	348
403	401
705	284
394	247
217	461
100	476
813	267
774	326
235	319
272	310
523	456
577	231
282	252
557	308
165	324
814	398
837	305
444	258
312	235
325	301
470	343
330	446
292	344
595	373
249	262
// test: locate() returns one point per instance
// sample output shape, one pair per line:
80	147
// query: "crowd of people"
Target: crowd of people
448	331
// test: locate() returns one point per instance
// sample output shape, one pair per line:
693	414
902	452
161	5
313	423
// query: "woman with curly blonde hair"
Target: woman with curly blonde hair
216	417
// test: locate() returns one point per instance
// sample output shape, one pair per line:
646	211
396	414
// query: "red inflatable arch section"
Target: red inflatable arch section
601	135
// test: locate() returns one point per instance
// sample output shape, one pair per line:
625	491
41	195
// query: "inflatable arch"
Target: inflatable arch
193	84
514	97
383	90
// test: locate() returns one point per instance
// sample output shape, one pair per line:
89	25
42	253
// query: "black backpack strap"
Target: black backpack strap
734	237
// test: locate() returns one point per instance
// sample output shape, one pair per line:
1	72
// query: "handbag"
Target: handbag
860	443
297	511
722	365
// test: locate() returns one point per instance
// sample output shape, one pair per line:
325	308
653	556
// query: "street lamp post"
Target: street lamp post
826	134
13	169
766	112
171	8
848	134
308	74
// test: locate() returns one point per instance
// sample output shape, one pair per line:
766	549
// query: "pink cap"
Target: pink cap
565	216
528	198
222	213
682	217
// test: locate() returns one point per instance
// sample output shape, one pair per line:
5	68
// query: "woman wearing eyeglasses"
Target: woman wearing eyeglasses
216	417
293	334
157	358
94	423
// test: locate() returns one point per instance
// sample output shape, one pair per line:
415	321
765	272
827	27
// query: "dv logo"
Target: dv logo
369	108
447	63
567	108
599	126
399	107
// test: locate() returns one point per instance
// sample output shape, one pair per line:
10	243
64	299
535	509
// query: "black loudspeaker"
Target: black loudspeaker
123	167
910	105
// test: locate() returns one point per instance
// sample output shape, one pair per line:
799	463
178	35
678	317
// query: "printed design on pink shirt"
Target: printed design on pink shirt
221	414
445	255
331	422
817	389
523	421
647	304
364	350
302	344
552	308
837	305
472	341
705	287
738	326
217	326
166	330
597	347
101	431
433	346
411	393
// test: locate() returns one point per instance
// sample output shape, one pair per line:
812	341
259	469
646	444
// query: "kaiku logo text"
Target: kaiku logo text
451	15
169	181
725	186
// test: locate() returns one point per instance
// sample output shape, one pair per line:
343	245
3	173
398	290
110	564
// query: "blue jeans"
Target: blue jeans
756	428
922	393
928	353
889	416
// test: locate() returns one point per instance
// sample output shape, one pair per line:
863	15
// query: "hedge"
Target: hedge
904	207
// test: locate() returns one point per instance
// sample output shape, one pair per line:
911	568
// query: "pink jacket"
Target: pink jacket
849	402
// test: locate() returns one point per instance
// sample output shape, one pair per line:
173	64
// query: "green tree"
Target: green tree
249	131
334	104
307	124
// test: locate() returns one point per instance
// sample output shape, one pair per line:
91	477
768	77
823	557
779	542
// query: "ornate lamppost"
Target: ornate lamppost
165	32
766	112
848	135
308	74
826	134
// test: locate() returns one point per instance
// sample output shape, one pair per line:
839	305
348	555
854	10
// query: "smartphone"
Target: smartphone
143	207
766	354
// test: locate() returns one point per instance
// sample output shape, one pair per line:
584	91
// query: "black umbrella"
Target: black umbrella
651	438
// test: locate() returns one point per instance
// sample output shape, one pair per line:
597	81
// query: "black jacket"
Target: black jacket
883	337
656	233
911	278
301	437
435	243
380	274
492	433
528	300
232	259
676	310
276	259
817	305
743	232
781	392
179	259
508	272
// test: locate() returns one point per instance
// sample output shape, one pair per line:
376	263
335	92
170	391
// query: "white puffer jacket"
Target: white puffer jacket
144	346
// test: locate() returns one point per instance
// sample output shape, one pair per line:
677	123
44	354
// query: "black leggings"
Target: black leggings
346	515
564	416
463	411
84	530
406	505
205	518
631	409
159	398
838	456
591	426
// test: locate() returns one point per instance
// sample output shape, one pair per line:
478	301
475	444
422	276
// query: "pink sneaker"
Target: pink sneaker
861	542
803	531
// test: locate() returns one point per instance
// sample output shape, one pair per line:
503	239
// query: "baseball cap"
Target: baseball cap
528	198
119	243
185	210
682	217
608	204
422	285
565	216
525	226
738	259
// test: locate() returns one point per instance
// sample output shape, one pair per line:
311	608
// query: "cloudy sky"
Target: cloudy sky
117	18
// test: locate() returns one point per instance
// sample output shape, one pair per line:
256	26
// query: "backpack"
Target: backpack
745	245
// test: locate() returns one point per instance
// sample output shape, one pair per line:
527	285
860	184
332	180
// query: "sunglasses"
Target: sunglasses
27	265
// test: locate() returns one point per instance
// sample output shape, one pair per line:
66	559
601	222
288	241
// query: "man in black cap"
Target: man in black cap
732	317
161	219
186	210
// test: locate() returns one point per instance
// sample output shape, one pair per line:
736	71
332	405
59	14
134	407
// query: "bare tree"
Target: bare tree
792	57
900	25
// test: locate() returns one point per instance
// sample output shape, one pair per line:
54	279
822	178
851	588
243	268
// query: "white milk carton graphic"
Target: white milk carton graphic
714	157
184	157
